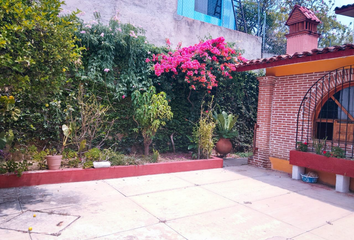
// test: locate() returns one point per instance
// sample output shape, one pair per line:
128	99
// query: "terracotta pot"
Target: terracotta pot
223	146
54	161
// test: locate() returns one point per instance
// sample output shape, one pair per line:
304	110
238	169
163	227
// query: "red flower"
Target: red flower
324	152
305	143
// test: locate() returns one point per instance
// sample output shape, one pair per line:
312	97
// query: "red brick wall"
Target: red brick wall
278	105
266	87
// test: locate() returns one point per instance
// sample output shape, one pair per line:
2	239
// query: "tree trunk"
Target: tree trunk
147	143
146	149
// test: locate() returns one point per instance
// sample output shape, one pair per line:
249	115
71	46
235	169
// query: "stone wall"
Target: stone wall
161	21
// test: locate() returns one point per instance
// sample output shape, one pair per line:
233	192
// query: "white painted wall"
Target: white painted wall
160	20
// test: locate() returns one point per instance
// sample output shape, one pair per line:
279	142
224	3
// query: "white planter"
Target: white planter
104	164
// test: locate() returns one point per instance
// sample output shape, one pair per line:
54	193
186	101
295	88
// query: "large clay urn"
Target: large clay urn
54	161
223	146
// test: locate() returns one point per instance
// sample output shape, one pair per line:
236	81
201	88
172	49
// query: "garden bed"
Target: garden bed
322	163
32	178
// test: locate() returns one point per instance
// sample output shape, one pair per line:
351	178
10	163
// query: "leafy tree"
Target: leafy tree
332	32
36	46
151	111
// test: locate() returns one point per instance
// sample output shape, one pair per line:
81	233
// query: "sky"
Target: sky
343	19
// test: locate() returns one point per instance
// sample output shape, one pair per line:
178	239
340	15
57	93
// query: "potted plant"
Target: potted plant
54	157
224	124
94	156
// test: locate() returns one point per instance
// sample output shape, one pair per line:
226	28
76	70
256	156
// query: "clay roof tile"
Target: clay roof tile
280	58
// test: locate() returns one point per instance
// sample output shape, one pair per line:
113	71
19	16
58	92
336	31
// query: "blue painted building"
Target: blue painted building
217	12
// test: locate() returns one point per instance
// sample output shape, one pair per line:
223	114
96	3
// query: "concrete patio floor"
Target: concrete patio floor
236	202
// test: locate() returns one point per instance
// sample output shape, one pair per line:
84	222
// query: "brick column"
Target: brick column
264	114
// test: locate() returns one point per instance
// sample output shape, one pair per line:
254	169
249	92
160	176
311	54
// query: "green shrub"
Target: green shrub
87	164
39	157
319	145
338	152
11	166
69	154
93	154
155	156
151	112
37	46
303	147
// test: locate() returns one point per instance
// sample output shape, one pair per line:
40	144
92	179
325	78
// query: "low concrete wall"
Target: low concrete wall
161	21
78	175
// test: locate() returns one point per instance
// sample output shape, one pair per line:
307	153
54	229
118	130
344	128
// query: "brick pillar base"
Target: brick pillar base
264	112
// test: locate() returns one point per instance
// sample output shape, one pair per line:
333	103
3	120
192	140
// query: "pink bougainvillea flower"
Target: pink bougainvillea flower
123	96
201	65
206	111
106	70
102	34
83	32
168	42
147	60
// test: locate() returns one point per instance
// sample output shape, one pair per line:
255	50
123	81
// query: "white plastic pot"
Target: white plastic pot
103	164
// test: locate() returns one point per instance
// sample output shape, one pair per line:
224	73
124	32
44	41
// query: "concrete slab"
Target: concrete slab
308	236
8	194
239	202
103	218
329	195
299	210
155	232
237	222
219	175
229	162
5	218
40	222
337	229
13	235
181	202
66	194
284	181
246	190
147	184
10	207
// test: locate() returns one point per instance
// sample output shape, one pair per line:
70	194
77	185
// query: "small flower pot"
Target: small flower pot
54	161
223	146
308	179
104	164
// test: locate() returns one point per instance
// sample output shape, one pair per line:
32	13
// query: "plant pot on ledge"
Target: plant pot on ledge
322	163
54	161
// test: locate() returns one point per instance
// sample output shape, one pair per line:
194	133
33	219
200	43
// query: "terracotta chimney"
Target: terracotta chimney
303	35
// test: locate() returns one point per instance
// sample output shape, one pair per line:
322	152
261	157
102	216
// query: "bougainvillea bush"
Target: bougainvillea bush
201	66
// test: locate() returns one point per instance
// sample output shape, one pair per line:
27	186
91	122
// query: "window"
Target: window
216	12
327	112
335	120
209	7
